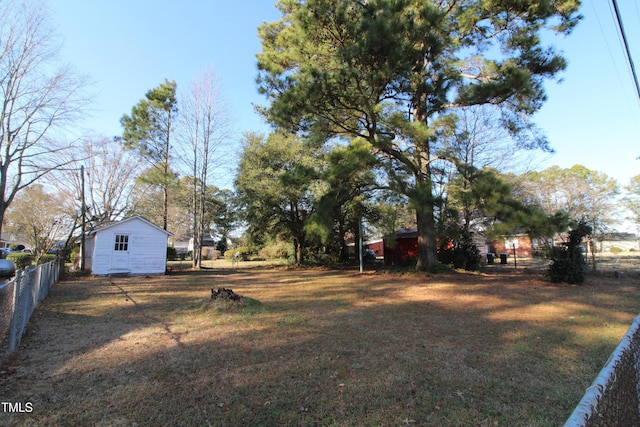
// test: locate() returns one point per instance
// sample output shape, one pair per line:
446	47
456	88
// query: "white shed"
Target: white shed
132	246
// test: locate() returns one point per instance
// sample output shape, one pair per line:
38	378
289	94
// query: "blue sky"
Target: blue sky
128	47
593	116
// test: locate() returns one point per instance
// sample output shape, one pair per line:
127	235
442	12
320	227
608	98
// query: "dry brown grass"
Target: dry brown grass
316	347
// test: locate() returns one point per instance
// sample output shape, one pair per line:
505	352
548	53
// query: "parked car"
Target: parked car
369	255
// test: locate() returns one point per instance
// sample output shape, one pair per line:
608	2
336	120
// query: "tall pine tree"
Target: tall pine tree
387	70
148	130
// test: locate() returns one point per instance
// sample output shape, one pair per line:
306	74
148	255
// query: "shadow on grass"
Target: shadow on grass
321	348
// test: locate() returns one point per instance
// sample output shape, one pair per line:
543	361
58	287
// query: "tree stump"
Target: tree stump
225	295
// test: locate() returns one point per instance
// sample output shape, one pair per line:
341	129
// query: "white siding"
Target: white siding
147	249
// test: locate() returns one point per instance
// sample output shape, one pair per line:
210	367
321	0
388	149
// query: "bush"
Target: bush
243	254
462	254
567	262
221	246
172	253
543	252
22	260
277	250
214	254
47	258
317	258
439	268
74	255
615	250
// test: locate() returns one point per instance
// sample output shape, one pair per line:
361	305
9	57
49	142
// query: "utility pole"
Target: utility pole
360	242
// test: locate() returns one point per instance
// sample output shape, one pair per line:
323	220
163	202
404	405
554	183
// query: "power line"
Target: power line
606	42
626	47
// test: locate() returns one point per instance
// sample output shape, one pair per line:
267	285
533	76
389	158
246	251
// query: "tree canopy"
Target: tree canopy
276	183
632	199
148	131
585	195
36	215
387	71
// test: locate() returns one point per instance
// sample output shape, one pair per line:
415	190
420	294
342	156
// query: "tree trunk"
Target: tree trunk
203	198
4	182
298	245
427	255
422	197
357	238
201	232
344	248
195	251
167	145
196	254
165	204
195	258
423	202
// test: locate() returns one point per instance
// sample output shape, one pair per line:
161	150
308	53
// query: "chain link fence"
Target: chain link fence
612	399
19	297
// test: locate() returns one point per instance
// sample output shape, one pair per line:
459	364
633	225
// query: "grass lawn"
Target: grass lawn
316	347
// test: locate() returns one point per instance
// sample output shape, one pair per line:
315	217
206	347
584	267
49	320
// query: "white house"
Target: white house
132	246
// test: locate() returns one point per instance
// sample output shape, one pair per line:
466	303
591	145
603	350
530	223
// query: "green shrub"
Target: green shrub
317	259
243	254
221	246
543	252
47	258
172	253
277	250
439	268
568	263
462	253
615	250
22	260
74	255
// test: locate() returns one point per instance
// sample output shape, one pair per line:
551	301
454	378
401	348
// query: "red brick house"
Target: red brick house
520	243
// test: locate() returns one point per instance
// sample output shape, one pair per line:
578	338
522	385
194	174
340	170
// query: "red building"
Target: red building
520	243
377	246
403	250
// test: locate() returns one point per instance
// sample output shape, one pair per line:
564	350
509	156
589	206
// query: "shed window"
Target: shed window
122	242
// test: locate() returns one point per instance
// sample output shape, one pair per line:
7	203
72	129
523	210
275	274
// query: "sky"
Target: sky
127	47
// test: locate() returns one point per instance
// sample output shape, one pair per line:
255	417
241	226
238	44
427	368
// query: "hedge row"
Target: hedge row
26	260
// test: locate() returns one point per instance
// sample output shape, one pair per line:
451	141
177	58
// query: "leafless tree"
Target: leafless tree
475	137
206	127
38	97
96	187
110	171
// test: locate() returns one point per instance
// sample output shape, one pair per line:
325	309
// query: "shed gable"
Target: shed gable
131	246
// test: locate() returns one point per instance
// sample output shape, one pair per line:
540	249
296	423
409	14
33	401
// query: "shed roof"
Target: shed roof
131	218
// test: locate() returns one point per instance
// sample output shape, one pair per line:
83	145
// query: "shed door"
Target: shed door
120	254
